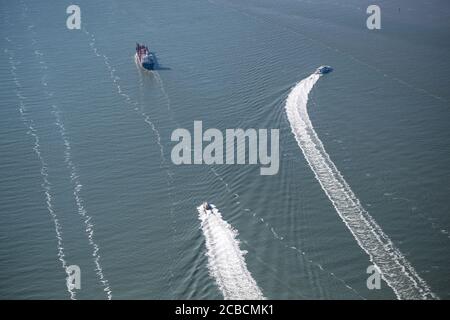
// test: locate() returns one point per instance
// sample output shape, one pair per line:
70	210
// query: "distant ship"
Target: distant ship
144	57
323	70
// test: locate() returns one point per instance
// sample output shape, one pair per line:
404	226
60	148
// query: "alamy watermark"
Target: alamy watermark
374	280
373	22
73	277
74	19
238	146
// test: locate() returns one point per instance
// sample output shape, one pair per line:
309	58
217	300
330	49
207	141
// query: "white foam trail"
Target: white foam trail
217	175
116	80
74	176
46	185
282	239
77	187
164	164
226	261
393	266
112	71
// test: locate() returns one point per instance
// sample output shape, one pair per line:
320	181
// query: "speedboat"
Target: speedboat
144	57
207	206
323	70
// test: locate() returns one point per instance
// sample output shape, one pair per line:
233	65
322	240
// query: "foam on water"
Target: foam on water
74	175
305	257
77	187
46	185
116	81
226	261
393	266
145	116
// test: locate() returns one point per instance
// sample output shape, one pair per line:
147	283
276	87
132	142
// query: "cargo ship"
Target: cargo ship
144	57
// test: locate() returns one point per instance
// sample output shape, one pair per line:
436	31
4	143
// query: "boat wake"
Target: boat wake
285	243
77	187
393	266
74	176
164	92
134	104
226	261
46	185
138	107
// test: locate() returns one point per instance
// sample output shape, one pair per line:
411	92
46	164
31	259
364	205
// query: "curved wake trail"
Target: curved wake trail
236	196
46	185
283	241
261	220
393	266
226	260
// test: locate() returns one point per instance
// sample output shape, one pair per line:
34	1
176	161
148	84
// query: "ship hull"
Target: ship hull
145	66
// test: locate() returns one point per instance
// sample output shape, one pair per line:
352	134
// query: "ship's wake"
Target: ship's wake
138	107
393	266
46	185
281	238
134	104
226	261
74	175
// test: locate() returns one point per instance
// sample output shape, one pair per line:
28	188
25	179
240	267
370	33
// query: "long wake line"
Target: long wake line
74	177
164	164
127	98
46	185
77	186
281	238
228	189
393	266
